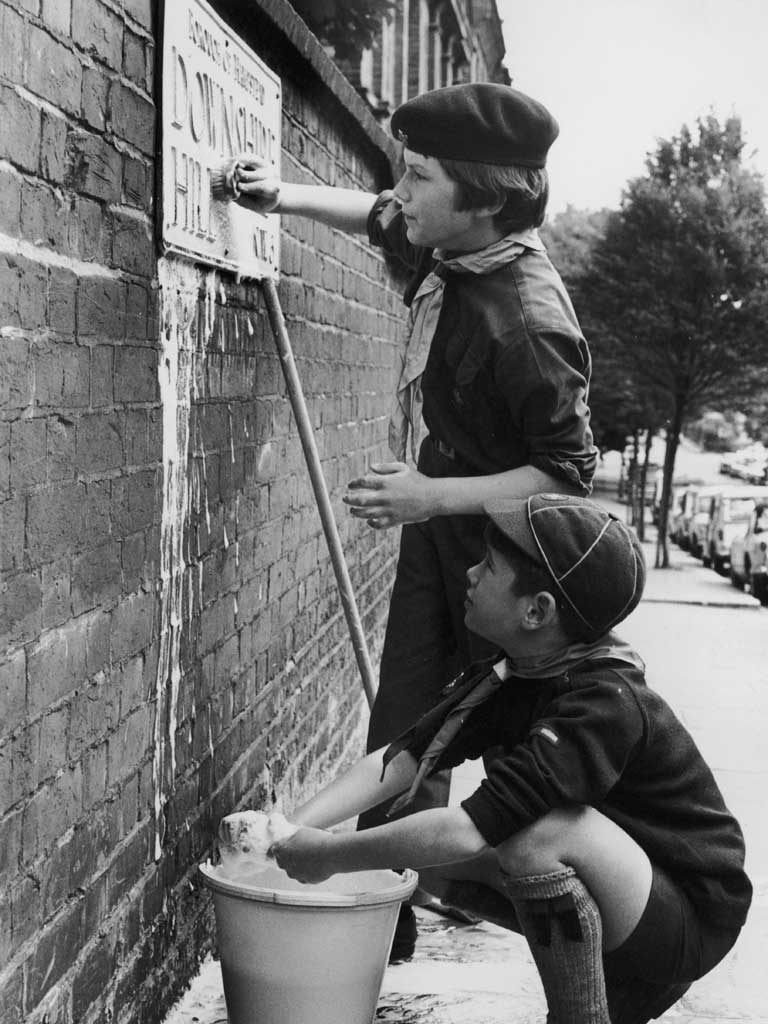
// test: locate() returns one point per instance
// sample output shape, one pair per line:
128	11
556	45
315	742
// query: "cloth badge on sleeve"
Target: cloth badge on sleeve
547	733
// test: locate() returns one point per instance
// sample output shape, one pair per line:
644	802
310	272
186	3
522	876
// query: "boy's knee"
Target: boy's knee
543	846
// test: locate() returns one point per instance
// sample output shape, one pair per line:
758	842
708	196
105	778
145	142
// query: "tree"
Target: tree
349	26
678	282
620	408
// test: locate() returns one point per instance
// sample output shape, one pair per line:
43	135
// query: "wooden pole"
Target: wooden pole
307	435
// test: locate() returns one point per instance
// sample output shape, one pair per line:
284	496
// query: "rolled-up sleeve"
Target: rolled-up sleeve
387	231
544	376
574	754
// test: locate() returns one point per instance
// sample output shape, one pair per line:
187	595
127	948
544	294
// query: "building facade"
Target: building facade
427	44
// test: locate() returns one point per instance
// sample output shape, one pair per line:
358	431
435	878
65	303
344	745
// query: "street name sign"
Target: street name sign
219	99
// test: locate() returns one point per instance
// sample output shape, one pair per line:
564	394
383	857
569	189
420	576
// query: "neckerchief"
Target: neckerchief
473	689
422	324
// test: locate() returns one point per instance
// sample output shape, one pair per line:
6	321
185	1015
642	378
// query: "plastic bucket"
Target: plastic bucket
305	954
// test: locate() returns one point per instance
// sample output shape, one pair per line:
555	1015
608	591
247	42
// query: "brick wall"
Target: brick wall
173	645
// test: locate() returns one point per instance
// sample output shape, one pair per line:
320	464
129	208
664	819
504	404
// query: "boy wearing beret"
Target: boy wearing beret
494	366
599	832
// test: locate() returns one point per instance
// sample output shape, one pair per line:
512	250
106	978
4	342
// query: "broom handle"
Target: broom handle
306	433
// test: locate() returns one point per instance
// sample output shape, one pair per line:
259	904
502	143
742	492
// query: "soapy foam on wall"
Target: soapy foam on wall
184	337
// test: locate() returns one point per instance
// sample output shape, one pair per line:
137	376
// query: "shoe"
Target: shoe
404	942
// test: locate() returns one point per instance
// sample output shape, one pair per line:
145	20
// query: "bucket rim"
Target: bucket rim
407	881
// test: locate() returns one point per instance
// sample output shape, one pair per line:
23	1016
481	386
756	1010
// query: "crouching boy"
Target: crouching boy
599	831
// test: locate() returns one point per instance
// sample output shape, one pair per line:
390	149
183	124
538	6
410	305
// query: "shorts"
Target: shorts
669	949
671	943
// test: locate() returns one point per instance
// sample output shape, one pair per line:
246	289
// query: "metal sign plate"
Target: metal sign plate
219	100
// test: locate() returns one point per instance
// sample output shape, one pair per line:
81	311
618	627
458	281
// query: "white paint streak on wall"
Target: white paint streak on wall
182	356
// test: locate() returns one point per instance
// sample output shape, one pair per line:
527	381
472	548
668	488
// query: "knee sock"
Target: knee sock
562	925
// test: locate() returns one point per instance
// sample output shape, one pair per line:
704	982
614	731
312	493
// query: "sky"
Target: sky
620	74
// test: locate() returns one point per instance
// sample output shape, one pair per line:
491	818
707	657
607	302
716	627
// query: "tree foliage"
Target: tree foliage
675	293
349	26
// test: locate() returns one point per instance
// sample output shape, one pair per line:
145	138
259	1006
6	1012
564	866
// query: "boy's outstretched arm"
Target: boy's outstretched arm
441	835
393	493
357	789
261	190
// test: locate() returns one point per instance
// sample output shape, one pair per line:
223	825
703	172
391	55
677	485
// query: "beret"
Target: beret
482	122
595	561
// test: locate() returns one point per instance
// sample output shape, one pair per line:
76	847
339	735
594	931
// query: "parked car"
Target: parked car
749	554
731	509
702	512
757	472
682	515
748	464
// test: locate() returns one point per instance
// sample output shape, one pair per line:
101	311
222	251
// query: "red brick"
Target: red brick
132	117
89	231
55	666
133	246
10	841
137	503
13	682
136	190
12	998
9	311
20	608
43	216
33	293
135	59
10	202
99	443
98	31
62	457
12	50
51	752
140	11
57	14
131	744
62	376
142	435
55	952
53	809
101	307
28	453
92	975
102	384
53	145
94	94
13	517
54	71
94	167
136	310
20	139
96	578
57	602
136	374
132	625
95	713
62	301
5	466
94	775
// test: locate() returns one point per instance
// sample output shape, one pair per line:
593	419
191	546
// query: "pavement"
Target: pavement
706	649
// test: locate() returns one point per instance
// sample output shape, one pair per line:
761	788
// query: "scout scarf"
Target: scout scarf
422	324
480	686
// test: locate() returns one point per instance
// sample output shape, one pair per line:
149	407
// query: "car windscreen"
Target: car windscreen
738	510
